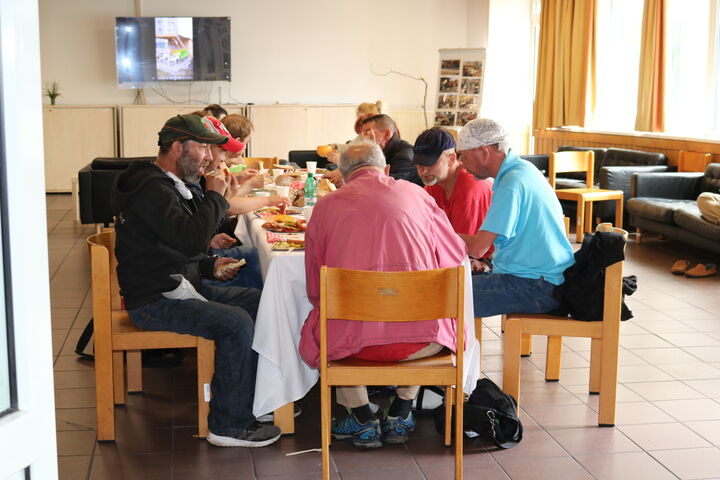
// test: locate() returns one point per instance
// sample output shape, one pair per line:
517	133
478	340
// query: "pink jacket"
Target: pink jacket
378	223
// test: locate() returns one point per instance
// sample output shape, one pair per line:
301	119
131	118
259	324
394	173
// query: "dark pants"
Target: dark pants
496	293
228	319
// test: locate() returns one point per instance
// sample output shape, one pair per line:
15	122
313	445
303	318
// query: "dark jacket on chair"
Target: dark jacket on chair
583	293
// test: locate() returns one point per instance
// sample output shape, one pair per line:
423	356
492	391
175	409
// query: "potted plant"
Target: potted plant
52	91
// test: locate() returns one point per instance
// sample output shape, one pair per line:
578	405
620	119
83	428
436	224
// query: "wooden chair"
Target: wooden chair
114	333
393	297
583	161
260	162
693	161
605	337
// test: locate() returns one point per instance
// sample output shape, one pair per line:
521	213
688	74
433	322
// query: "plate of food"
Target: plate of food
284	224
268	213
289	245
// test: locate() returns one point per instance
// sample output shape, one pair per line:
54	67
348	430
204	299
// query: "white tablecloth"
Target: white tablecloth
282	375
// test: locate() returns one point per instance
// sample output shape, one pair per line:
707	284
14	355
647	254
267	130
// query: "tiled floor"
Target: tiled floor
668	422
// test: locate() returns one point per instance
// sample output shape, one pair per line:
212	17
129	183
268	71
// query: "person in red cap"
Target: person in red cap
162	233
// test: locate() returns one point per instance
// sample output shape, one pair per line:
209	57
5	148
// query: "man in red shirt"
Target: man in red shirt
464	199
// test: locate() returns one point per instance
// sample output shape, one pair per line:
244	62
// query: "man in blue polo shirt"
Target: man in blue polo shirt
524	223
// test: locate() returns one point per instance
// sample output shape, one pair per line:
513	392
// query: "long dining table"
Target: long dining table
282	375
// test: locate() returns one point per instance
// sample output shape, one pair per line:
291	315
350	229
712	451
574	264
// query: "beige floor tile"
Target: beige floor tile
706	354
667	326
690	339
663	436
672	390
564	468
691	371
663	356
536	443
710	387
633	342
563	416
640	413
593	441
637	373
690	410
625	466
690	464
708	429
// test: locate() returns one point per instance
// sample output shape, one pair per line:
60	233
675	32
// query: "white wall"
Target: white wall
312	51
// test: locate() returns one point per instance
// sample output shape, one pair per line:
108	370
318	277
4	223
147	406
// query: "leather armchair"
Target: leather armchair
95	182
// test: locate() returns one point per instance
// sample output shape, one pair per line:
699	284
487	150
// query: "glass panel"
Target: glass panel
619	26
688	96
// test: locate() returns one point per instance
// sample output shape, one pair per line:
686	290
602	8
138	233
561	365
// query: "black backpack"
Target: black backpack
490	413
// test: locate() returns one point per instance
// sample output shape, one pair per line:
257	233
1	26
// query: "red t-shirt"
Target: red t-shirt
467	206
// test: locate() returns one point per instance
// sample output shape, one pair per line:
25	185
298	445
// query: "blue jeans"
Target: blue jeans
496	293
228	318
248	276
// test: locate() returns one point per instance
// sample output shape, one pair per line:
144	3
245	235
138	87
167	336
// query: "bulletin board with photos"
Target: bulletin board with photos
460	83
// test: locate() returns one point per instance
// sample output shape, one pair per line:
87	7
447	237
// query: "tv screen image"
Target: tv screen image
149	49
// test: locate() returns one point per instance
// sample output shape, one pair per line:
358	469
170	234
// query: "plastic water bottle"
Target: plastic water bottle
310	191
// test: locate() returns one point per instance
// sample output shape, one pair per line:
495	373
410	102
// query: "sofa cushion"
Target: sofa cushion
658	209
562	182
710	181
624	157
115	163
689	218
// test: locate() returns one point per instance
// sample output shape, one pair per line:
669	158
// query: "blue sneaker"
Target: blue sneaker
396	429
363	435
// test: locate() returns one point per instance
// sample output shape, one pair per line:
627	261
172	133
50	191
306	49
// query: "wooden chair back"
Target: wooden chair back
693	161
114	334
369	296
572	161
260	162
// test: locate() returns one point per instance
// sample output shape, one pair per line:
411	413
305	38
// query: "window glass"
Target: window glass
5	401
689	95
619	26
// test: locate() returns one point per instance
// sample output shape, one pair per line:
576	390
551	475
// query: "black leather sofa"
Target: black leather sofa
614	168
666	203
95	181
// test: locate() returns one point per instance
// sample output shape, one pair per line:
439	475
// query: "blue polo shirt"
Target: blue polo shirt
527	217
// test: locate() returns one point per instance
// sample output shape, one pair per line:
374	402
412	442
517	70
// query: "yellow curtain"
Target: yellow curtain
565	86
651	83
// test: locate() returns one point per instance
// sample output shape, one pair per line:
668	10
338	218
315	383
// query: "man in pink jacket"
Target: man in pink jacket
376	223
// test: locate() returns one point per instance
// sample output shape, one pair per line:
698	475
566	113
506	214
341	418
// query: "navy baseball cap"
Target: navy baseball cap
430	144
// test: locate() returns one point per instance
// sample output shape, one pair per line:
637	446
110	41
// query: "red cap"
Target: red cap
233	145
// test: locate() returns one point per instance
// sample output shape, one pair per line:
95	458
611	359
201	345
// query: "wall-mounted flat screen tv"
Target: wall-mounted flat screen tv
152	49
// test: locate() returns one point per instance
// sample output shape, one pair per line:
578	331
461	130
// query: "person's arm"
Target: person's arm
479	243
240	205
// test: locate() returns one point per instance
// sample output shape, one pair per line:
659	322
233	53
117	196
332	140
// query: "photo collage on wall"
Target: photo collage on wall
459	86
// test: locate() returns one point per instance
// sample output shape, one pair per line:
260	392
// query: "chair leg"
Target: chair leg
503	317
206	369
284	418
552	360
608	383
325	394
104	396
619	213
526	348
459	431
134	371
448	415
587	228
580	220
118	378
638	235
511	358
595	365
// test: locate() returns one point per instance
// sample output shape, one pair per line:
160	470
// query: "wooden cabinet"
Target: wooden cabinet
281	128
140	124
73	137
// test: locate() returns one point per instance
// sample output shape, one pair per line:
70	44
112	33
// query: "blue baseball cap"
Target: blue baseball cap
430	144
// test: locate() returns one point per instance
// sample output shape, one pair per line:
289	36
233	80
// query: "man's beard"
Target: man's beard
187	167
429	183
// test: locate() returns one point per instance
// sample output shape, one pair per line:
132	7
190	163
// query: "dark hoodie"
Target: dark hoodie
159	233
399	155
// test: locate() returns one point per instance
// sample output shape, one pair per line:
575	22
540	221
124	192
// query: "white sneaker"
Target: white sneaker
256	435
